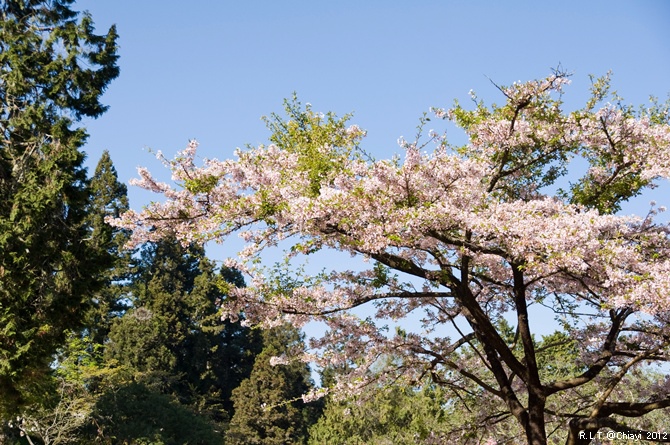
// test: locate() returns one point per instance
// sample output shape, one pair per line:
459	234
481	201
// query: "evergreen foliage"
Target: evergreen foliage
173	338
139	415
268	407
109	198
53	70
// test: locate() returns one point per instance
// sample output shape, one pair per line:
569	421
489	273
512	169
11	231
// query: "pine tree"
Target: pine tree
149	337
53	70
268	408
173	338
218	354
109	198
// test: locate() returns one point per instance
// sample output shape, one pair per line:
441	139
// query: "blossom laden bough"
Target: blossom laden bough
469	237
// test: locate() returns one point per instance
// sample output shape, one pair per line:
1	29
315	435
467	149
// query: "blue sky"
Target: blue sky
211	69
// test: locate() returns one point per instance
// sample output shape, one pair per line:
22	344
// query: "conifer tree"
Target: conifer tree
173	338
53	70
109	198
268	405
147	339
219	355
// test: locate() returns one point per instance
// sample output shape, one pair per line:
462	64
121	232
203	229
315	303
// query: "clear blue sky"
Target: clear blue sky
209	69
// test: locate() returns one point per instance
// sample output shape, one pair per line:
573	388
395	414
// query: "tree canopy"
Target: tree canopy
172	337
53	70
468	237
268	404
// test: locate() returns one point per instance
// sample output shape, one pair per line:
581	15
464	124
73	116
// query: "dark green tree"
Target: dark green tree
148	337
173	338
109	198
53	70
218	354
268	406
138	415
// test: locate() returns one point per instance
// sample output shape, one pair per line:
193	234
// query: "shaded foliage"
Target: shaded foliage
268	404
173	337
136	414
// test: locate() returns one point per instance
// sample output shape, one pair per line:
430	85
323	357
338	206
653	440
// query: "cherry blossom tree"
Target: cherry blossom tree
469	239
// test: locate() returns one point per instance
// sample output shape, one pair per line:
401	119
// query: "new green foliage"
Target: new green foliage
400	415
306	133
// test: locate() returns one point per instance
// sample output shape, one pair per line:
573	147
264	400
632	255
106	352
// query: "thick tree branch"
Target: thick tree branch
608	352
614	381
536	398
633	409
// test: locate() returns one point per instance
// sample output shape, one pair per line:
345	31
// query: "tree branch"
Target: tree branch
595	369
633	409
